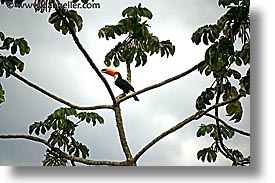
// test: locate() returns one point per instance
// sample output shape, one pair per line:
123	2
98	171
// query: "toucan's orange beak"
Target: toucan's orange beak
109	71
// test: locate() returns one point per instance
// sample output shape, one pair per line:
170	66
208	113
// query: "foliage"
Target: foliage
62	129
209	153
139	41
64	21
211	129
10	62
225	63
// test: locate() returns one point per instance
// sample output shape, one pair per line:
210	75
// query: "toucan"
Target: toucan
121	83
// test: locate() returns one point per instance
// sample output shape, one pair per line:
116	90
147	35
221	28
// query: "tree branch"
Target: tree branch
228	126
62	154
122	136
86	55
193	117
163	82
219	141
32	85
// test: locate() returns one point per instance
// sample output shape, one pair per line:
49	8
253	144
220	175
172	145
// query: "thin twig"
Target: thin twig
228	126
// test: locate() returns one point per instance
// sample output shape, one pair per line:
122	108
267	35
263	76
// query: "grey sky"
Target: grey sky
57	65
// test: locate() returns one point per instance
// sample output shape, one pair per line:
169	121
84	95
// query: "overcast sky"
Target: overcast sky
57	65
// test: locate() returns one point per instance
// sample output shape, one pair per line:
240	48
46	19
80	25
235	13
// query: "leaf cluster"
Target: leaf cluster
208	153
52	159
65	21
224	62
221	55
139	41
62	125
12	62
14	44
212	130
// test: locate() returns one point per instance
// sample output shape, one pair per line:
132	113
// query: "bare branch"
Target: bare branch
87	56
228	126
122	136
193	117
56	97
62	154
163	82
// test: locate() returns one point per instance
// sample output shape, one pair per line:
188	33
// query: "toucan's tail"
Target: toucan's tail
135	97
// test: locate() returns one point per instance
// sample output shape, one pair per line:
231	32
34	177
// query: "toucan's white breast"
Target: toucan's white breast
115	77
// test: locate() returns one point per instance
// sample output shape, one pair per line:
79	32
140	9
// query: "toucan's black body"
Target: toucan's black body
121	83
124	85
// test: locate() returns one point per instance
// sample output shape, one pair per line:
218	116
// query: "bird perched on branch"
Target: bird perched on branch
121	83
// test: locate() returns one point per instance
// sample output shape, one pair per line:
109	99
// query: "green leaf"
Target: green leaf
201	131
14	48
43	130
64	28
32	128
2	92
128	55
202	154
53	18
130	12
200	103
245	84
196	37
144	12
116	62
245	53
235	110
145	33
209	128
90	117
138	60
2	36
208	153
74	20
14	62
85	1
236	74
143	57
23	46
7	42
205	39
